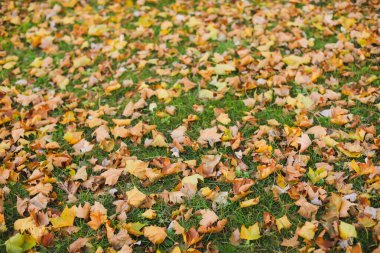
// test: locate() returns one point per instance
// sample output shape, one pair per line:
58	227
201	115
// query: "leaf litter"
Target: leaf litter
165	125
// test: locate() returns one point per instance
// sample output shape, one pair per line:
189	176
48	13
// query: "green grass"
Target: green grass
233	105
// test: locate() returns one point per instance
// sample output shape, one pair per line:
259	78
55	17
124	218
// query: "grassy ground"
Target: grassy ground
92	98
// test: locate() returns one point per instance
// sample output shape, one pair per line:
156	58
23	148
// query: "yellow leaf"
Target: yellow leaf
347	22
63	82
223	118
149	214
193	22
349	153
137	168
355	167
28	224
206	94
250	233
159	141
146	20
295	61
72	137
280	180
98	30
283	223
155	234
307	231
37	62
66	219
249	202
68	3
135	197
24	224
329	141
347	230
68	117
224	69
366	221
81	61
9	65
193	179
317	175
134	228
176	250
110	88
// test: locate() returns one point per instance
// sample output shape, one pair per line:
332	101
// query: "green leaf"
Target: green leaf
317	175
19	243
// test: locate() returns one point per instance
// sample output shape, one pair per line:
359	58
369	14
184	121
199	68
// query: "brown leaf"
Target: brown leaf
209	136
78	244
112	176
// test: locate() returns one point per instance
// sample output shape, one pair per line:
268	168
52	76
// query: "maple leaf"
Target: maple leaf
283	223
249	202
135	197
19	243
213	229
120	239
81	174
159	140
187	84
224	69
209	136
208	217
134	228
66	219
98	30
73	137
346	230
193	179
317	175
83	212
178	134
291	242
68	3
250	233
235	237
149	214
307	231
304	141
307	209
137	168
101	133
81	62
223	118
155	234
29	225
295	61
78	244
82	147
98	216
112	175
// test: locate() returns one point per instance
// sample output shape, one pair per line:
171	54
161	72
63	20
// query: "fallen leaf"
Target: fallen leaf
135	197
78	244
283	223
66	219
155	234
347	231
19	243
250	233
307	231
304	141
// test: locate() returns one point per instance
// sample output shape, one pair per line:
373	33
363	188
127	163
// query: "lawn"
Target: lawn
189	126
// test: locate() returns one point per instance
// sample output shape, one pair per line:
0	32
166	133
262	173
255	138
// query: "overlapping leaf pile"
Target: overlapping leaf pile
189	126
